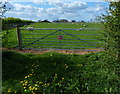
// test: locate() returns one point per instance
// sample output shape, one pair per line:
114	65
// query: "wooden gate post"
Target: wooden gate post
19	38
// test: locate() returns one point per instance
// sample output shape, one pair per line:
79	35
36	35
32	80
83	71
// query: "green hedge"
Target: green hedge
10	22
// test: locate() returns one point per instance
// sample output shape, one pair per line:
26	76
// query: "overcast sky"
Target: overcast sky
56	9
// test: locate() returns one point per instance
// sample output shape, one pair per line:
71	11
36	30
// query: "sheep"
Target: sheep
84	25
30	28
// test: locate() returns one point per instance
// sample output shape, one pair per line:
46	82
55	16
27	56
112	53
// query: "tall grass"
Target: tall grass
58	73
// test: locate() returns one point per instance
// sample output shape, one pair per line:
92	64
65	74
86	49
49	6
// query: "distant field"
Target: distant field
71	39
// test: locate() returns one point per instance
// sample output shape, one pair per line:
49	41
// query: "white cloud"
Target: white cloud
69	0
24	8
60	0
74	6
69	10
23	11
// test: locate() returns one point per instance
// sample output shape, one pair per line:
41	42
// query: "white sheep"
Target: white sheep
30	28
84	25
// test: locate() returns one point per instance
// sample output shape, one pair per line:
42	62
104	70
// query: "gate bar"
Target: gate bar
62	29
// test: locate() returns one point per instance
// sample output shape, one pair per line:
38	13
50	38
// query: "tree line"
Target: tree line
60	21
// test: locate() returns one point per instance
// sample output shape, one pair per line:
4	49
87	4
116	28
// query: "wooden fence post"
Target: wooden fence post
19	38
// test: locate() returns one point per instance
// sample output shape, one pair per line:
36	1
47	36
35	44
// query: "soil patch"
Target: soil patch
81	52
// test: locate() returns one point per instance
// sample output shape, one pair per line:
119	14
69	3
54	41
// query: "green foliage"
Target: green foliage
58	73
10	22
9	36
5	38
111	23
12	67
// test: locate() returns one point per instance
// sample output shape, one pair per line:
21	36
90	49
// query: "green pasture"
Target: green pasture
42	39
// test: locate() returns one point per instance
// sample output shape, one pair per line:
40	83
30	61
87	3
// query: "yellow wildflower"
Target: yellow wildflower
25	76
28	76
26	82
30	88
66	67
15	92
25	90
58	83
36	84
21	81
24	87
23	84
9	89
55	74
40	82
48	84
33	87
62	78
36	88
45	84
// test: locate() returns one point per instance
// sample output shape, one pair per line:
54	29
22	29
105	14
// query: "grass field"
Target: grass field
71	39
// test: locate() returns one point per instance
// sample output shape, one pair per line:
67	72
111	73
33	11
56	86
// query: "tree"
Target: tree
73	21
63	20
111	23
46	21
3	8
112	27
82	21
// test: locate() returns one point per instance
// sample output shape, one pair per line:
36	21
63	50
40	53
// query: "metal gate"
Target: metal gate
60	39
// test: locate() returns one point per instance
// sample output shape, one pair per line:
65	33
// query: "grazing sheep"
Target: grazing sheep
30	28
84	25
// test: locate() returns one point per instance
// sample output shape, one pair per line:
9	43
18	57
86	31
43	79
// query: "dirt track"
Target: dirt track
60	51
